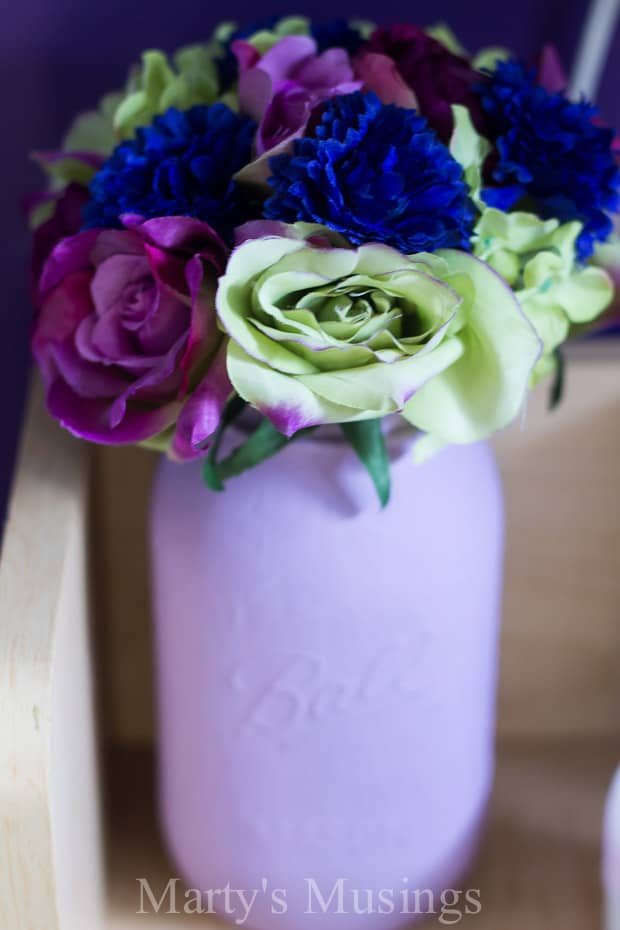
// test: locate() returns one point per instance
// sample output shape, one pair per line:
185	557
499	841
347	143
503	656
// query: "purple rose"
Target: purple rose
281	88
126	336
437	77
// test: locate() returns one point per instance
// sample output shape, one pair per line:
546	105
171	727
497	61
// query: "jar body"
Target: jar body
327	682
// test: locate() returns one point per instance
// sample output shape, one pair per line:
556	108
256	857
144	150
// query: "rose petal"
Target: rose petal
113	274
260	229
183	234
325	71
89	419
286	55
111	242
201	414
63	310
246	54
285	117
107	337
168	322
86	379
164	368
255	90
70	255
380	75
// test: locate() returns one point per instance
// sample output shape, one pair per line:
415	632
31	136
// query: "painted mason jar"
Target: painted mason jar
327	682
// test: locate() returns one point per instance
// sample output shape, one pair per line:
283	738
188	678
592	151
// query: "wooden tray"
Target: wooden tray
559	721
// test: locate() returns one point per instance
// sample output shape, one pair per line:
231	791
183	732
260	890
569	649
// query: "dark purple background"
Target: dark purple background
58	56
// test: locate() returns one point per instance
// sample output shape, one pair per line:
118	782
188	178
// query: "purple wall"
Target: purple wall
58	56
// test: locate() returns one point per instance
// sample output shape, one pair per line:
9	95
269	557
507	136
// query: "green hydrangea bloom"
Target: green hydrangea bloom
535	257
90	132
155	85
538	259
94	131
488	58
159	83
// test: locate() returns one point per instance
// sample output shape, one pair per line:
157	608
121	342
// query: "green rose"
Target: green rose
326	334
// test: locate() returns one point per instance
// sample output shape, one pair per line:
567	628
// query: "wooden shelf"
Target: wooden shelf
539	866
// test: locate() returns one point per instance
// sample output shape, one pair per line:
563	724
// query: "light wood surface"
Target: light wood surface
50	857
561	624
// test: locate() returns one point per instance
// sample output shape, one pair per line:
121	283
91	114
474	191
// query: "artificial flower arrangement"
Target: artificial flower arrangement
329	222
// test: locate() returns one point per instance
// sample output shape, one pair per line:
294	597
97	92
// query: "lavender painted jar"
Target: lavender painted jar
327	681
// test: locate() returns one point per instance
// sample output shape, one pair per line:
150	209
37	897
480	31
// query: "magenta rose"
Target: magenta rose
437	77
126	336
281	88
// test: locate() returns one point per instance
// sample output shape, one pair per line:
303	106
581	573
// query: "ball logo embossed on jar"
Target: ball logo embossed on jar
305	691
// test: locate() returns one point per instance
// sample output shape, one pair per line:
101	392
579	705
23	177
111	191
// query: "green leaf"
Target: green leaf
210	471
557	387
368	440
262	444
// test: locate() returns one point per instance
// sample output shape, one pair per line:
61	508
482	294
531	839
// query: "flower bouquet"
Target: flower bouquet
329	223
297	227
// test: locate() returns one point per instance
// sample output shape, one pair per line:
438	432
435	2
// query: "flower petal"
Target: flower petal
486	387
201	413
288	403
380	75
89	419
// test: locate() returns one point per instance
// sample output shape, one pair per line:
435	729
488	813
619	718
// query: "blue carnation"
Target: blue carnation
182	165
375	173
551	157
